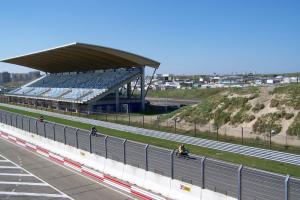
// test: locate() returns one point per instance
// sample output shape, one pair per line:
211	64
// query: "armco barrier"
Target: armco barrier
153	168
34	143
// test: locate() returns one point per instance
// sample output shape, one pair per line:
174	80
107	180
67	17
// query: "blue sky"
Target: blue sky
187	37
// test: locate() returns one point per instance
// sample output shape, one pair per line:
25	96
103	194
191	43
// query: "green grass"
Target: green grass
200	93
197	94
263	164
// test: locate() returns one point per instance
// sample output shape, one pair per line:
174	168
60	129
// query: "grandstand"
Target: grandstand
83	77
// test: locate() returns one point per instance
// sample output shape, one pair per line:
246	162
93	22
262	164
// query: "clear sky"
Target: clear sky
187	37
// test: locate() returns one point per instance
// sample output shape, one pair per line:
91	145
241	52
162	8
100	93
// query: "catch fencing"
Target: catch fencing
222	177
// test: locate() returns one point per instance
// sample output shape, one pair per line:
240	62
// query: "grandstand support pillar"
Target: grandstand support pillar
76	107
129	97
143	88
57	106
129	90
117	100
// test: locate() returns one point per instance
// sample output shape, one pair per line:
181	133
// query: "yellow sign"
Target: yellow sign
185	188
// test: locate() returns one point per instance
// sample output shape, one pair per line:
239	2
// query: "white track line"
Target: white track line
78	173
10	167
23	183
10	174
33	194
61	194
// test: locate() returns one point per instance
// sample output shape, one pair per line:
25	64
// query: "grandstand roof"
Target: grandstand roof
80	57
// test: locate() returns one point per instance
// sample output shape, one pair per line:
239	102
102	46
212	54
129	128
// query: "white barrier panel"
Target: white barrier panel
95	162
231	198
157	183
180	190
114	168
134	175
208	194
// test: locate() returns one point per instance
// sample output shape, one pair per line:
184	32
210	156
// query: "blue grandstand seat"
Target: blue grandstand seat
76	86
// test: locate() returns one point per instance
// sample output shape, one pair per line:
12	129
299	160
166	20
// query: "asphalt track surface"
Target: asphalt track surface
222	146
27	176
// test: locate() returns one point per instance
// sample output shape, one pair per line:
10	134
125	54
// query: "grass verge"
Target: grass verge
263	164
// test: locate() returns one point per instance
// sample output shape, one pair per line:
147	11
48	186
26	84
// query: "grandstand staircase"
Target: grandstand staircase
112	89
64	93
28	91
44	92
32	82
85	94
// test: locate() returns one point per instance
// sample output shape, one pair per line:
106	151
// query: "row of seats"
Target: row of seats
98	80
75	94
76	86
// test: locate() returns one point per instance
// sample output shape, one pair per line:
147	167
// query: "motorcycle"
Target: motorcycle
184	155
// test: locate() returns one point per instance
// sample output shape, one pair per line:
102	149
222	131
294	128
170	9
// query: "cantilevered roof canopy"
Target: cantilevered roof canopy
80	57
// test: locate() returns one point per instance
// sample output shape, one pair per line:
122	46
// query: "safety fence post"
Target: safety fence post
124	151
90	138
54	133
175	121
270	140
76	133
44	127
143	120
239	182
105	145
29	126
36	127
217	132
16	121
128	118
202	171
146	157
65	137
242	135
286	187
22	122
172	163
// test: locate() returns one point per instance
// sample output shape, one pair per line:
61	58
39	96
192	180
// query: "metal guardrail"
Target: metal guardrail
278	156
227	178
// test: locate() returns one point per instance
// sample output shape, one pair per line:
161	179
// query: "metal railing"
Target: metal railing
233	180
